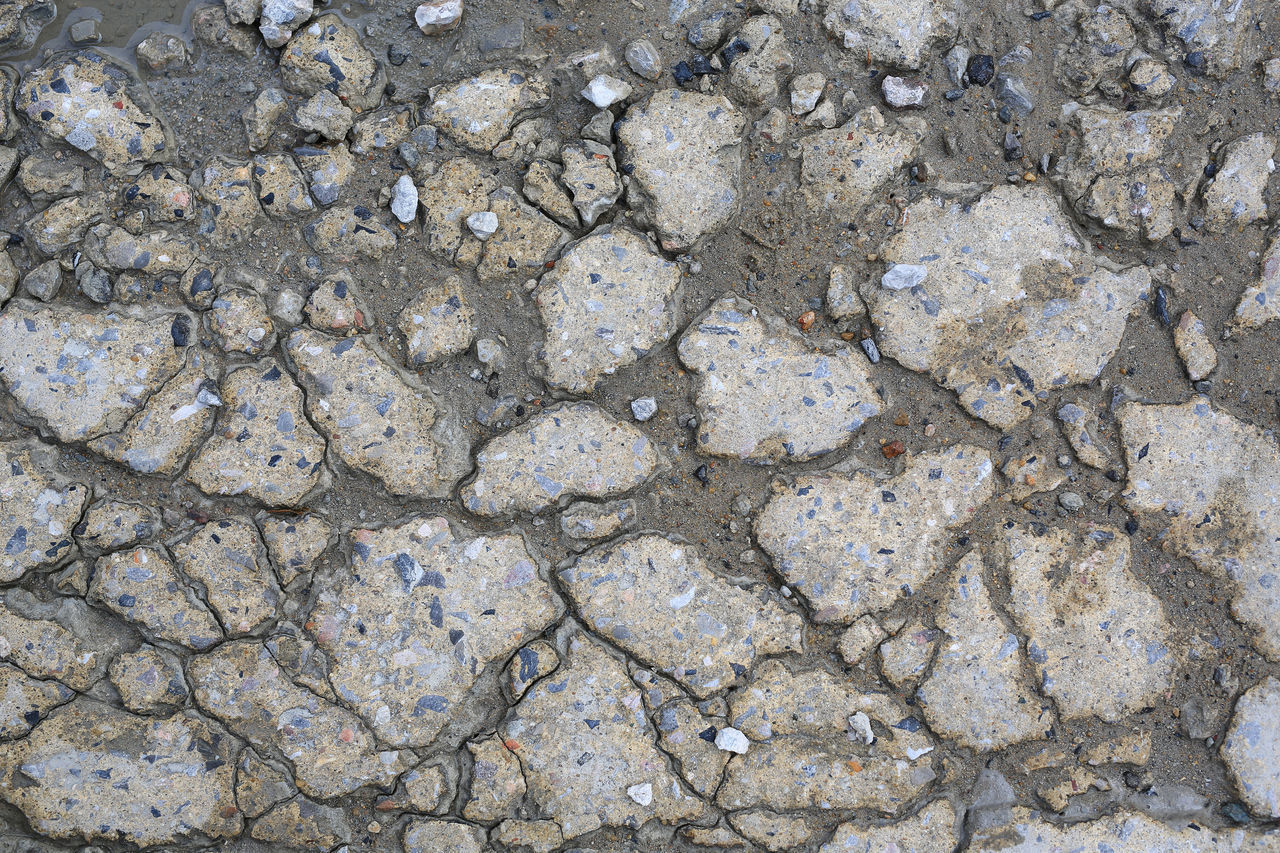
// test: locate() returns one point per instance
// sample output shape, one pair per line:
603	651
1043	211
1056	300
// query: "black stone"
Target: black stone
981	69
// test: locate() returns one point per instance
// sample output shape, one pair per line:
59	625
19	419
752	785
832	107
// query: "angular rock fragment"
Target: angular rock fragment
975	693
541	188
82	375
898	33
458	189
807	720
536	836
1214	35
497	785
1236	195
587	521
64	223
149	681
25	701
1194	348
583	741
331	750
592	177
753	73
264	446
282	191
326	55
328	169
1260	303
350	231
1098	639
227	558
58	644
334	306
480	111
524	242
421	617
240	323
683	153
609	300
95	773
1098	53
1010	304
1030	474
97	106
110	525
1083	432
905	656
931	828
1252	748
1217	481
438	323
573	450
843	169
303	823
232	201
295	543
854	546
38	509
766	394
443	836
163	193
378	421
691	624
143	587
1027	831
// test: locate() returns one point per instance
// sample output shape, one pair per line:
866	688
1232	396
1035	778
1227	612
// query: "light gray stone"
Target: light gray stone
842	169
897	33
1235	196
39	508
480	111
1252	748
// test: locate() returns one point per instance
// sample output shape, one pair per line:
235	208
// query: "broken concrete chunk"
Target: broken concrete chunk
232	201
579	766
110	525
303	823
1214	35
335	307
975	692
332	751
260	785
683	153
39	509
1260	303
1220	515
295	543
1194	347
541	188
227	558
905	656
932	828
572	450
1235	197
378	420
1027	831
497	785
1028	475
855	546
240	323
327	168
1084	434
587	521
772	831
97	106
524	242
143	587
608	302
592	177
859	639
149	681
326	55
443	836
281	17
1098	639
82	375
25	701
55	643
765	393
1252	748
692	625
458	189
479	112
466	602
438	323
696	742
95	773
899	33
350	231
264	446
163	193
282	191
1009	261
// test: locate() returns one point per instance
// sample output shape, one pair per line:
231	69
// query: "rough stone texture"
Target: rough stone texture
231	201
766	393
688	736
524	243
587	521
592	177
327	55
541	187
94	772
260	785
458	189
843	169
1235	196
419	619
295	543
82	375
282	191
58	646
930	829
690	624
25	701
110	525
143	587
438	323
479	112
892	32
97	106
1219	32
1252	748
239	322
347	232
443	836
534	661
497	784
1260	302
851	544
1084	433
772	831
303	823
1116	172
264	446
1221	516
327	168
1001	314
1097	638
904	657
1027	831
572	450
378	421
335	307
536	836
578	768
38	509
281	17
1194	348
331	750
149	681
975	692
609	300
228	559
753	76
1032	473
682	151
801	722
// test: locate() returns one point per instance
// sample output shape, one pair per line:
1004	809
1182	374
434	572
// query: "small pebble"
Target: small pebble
483	224
644	408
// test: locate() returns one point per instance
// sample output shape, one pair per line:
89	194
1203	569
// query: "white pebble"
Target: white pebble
604	91
731	740
903	276
483	224
642	794
644	408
